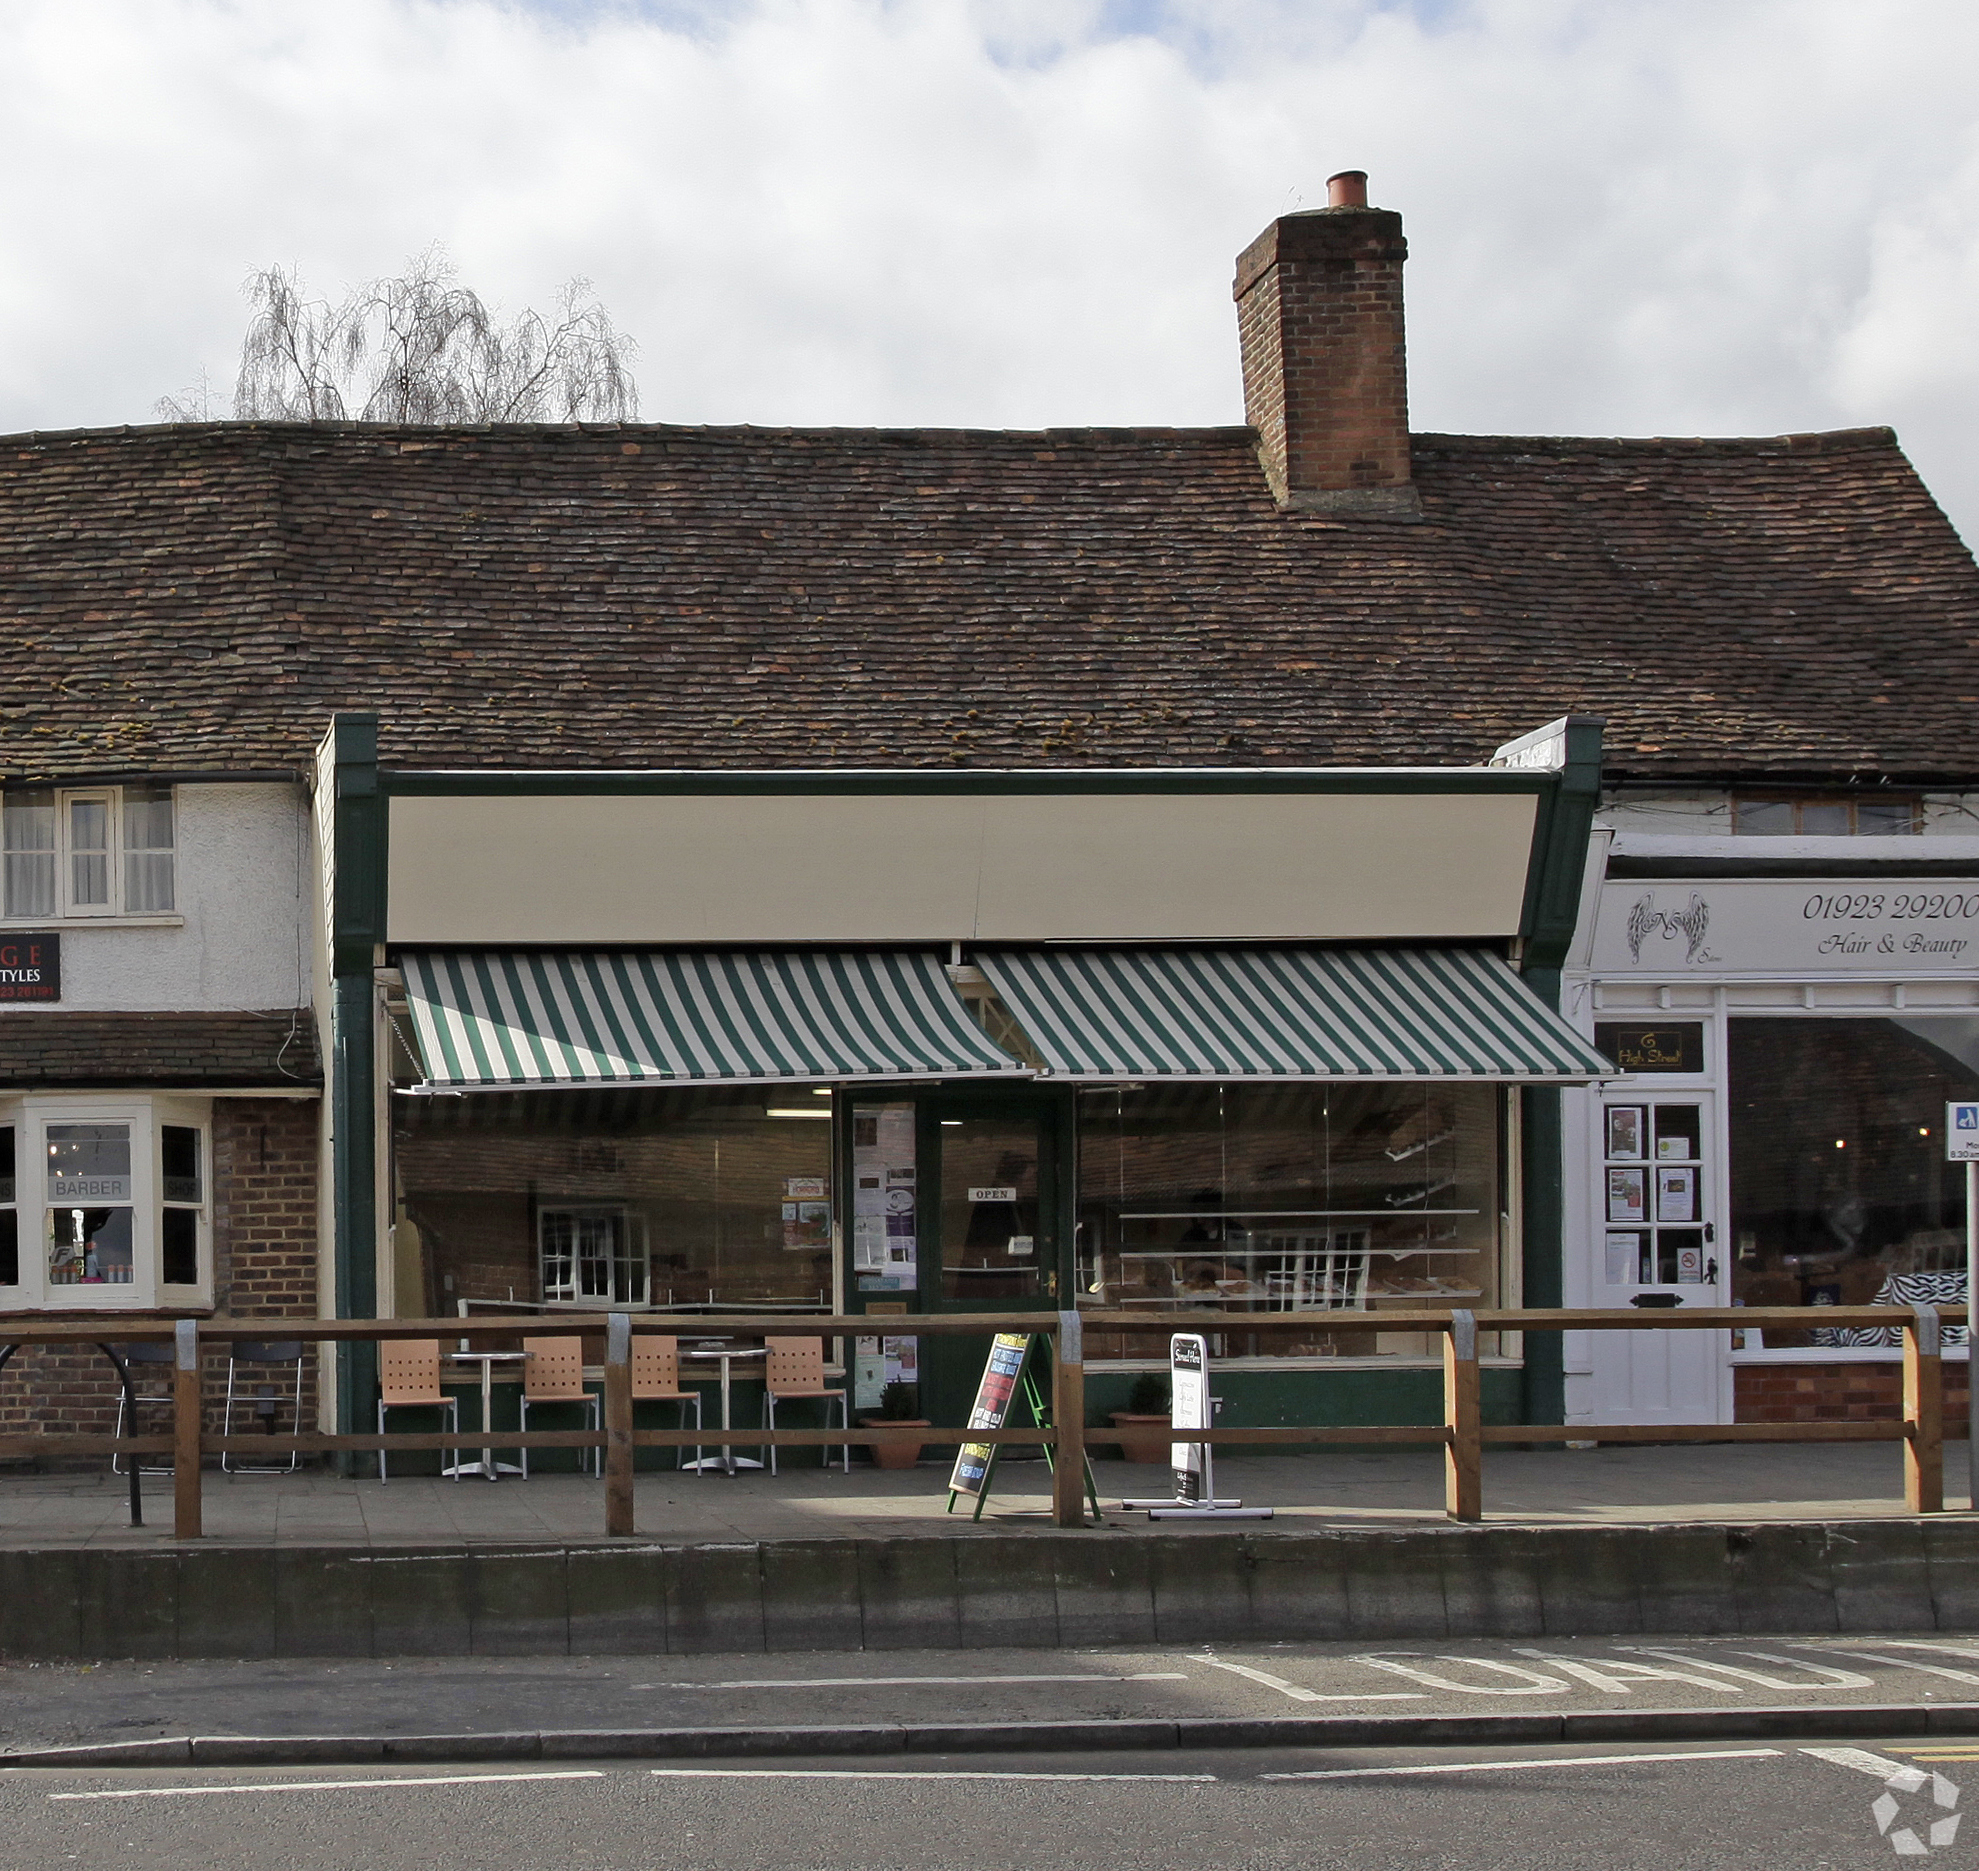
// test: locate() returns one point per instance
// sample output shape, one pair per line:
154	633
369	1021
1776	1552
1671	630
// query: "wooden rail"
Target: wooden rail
1462	1434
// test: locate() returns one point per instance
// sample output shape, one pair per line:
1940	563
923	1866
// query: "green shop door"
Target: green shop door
991	1234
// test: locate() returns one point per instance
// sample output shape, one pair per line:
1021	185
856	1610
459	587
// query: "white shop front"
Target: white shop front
1790	1045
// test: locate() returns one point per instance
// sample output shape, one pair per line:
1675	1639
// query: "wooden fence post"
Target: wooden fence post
186	1403
618	1423
1923	1414
1068	1416
1463	1479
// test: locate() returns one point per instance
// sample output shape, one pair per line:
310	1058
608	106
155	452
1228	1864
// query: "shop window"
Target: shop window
1253	1200
118	1206
1840	1194
671	1200
104	851
1836	815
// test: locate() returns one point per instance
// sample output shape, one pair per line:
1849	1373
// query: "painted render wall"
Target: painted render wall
243	941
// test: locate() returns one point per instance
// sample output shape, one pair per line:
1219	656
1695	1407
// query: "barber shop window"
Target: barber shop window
87	851
104	1204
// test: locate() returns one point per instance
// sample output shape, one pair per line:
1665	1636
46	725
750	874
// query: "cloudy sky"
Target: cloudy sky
1625	216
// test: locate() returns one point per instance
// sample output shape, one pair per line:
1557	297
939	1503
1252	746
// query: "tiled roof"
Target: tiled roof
192	1051
201	598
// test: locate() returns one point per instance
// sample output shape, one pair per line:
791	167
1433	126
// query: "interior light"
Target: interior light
1924	1130
1841	1143
821	1091
951	1123
808	1110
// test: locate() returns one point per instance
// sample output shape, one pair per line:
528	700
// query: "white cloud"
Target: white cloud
1673	216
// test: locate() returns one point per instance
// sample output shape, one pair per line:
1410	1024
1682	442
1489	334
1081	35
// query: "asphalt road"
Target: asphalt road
1774	1805
50	1705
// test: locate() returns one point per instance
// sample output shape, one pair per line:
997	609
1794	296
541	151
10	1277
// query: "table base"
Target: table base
494	1471
716	1461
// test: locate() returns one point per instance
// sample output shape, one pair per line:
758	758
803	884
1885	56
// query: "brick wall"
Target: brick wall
264	1266
1831	1393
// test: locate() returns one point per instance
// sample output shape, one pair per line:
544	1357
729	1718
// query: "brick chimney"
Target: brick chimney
1319	315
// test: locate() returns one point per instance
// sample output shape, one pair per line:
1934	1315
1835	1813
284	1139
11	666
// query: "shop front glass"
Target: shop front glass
1248	1200
1840	1192
664	1200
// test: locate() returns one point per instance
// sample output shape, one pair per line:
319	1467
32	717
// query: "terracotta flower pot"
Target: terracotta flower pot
1142	1438
895	1454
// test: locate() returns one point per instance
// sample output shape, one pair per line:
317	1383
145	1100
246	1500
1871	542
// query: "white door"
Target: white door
1656	1245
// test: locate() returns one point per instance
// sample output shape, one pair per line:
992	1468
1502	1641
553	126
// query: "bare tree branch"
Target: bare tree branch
421	349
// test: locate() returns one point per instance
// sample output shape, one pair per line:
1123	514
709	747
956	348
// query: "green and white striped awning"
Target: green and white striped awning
496	1020
1282	1013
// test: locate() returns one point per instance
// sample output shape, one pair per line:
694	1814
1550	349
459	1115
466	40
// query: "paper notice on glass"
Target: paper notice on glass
1624	1259
868	1243
896	1133
1628	1195
1676	1195
868	1192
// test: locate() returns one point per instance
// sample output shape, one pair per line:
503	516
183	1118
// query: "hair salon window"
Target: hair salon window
674	1200
1840	1192
86	852
1274	1199
104	1203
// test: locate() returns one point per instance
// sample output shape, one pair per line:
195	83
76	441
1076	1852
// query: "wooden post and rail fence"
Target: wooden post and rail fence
1463	1435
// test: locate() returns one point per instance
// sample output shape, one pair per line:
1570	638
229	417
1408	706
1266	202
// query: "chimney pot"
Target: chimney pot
1348	189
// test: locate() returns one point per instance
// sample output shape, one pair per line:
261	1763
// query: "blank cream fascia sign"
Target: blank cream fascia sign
1022	867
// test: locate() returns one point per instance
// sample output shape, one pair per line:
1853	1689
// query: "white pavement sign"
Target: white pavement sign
1962	1146
1190	1406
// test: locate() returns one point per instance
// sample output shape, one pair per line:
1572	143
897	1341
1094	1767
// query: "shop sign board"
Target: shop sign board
1188	1408
1001	1371
1662	930
1962	1133
31	966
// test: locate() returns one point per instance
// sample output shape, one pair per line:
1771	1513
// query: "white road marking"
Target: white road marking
1891	1773
1615	1677
1294	1691
1901	1663
330	1786
908	1682
1529	1683
1834	1679
1492	1767
881	1773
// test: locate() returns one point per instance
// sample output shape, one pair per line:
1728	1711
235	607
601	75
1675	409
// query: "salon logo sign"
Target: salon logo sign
1929	926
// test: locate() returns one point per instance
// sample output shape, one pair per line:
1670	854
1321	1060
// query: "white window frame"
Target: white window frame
636	1252
113	909
147	1117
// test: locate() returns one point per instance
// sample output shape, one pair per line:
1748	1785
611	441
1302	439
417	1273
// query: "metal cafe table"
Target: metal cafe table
487	1465
728	1461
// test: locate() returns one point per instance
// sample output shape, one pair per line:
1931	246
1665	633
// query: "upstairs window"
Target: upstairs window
94	851
1836	815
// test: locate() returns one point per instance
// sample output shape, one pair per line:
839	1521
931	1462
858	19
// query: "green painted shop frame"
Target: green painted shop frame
1559	765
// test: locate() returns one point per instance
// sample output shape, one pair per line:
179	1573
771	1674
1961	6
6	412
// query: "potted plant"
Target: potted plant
898	1402
1143	1424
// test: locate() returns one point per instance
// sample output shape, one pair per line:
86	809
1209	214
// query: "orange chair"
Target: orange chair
656	1379
409	1379
554	1373
795	1368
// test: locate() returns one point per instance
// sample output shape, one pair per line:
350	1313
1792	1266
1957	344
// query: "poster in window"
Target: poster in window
1628	1195
1676	1195
1625	1260
1690	1266
1625	1132
804	1189
806	1226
